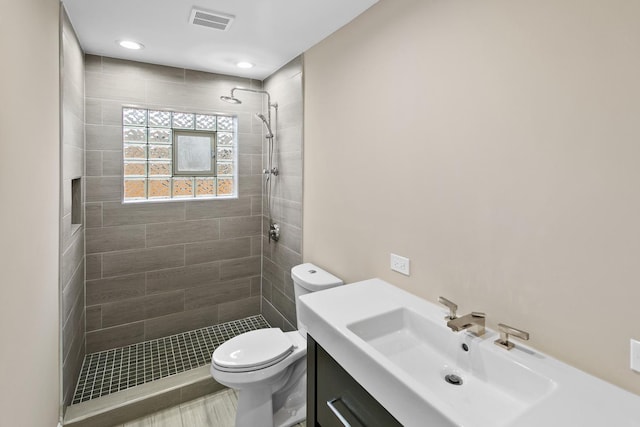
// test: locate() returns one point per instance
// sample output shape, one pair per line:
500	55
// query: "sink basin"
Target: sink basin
398	347
482	386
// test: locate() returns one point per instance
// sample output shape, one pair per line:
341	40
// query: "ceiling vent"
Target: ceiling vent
207	18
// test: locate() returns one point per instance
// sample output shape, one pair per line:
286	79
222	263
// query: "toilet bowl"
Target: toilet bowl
268	366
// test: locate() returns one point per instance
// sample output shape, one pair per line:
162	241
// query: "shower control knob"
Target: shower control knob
273	171
274	232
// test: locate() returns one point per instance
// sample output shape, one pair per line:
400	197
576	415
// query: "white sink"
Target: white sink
493	389
398	347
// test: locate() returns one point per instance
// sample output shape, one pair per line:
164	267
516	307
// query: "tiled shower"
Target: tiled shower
159	268
134	272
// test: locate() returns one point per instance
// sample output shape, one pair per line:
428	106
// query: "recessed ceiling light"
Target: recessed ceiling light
244	64
129	44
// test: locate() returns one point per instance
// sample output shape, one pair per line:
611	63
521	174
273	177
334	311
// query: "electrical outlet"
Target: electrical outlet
400	264
635	355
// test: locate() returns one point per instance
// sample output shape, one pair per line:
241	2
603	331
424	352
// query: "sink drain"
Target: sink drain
453	379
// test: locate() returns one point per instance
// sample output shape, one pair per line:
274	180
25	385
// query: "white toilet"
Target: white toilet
268	367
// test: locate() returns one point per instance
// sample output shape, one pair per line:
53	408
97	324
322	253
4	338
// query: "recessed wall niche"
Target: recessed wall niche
76	201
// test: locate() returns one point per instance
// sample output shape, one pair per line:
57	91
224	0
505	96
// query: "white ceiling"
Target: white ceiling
267	33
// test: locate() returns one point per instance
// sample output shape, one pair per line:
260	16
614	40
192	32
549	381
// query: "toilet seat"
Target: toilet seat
253	350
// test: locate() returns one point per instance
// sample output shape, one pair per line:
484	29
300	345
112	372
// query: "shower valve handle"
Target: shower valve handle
273	171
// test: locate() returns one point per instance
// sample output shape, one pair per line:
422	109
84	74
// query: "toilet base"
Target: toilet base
260	407
287	418
254	408
290	402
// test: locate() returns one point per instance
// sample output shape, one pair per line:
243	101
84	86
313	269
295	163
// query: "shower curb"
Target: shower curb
135	402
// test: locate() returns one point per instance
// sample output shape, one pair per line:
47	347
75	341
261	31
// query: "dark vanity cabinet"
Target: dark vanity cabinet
335	399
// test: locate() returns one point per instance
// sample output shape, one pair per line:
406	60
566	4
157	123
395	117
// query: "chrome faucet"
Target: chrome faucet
474	322
505	332
452	306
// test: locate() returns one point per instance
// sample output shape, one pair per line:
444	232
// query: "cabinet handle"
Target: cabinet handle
336	412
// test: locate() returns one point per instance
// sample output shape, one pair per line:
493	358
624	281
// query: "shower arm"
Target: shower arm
264	92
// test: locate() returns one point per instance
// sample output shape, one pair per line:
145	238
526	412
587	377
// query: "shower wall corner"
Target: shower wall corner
72	176
278	302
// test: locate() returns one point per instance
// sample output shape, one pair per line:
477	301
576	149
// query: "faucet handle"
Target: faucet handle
452	306
505	331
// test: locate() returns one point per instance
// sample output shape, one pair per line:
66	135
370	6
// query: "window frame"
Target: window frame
176	172
225	131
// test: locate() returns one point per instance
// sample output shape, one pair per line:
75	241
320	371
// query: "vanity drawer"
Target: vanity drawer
338	395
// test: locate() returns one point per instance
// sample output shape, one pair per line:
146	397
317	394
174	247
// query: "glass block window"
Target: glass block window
164	155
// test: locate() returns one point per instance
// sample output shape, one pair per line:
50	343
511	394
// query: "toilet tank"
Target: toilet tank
310	278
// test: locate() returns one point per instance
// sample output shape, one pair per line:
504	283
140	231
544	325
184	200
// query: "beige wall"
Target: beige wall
496	144
29	188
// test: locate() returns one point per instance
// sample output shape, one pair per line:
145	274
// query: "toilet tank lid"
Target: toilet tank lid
313	278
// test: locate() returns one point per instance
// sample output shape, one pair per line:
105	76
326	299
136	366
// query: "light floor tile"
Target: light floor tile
218	409
164	418
214	410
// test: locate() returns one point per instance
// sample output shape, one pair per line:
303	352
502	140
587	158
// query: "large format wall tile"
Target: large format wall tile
73	292
217	250
245	307
115	238
132	310
72	256
250	185
221	292
103	86
103	137
198	209
273	273
179	322
103	189
93	163
112	162
73	164
237	268
240	226
158	268
172	233
104	291
93	215
93	317
72	327
278	304
117	213
93	266
118	336
72	157
182	278
141	260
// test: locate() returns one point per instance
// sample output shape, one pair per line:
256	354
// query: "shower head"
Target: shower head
266	123
230	99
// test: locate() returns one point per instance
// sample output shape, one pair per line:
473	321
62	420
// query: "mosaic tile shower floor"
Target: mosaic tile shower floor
117	369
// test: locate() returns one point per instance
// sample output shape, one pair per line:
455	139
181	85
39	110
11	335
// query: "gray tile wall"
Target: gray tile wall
72	236
278	306
160	268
